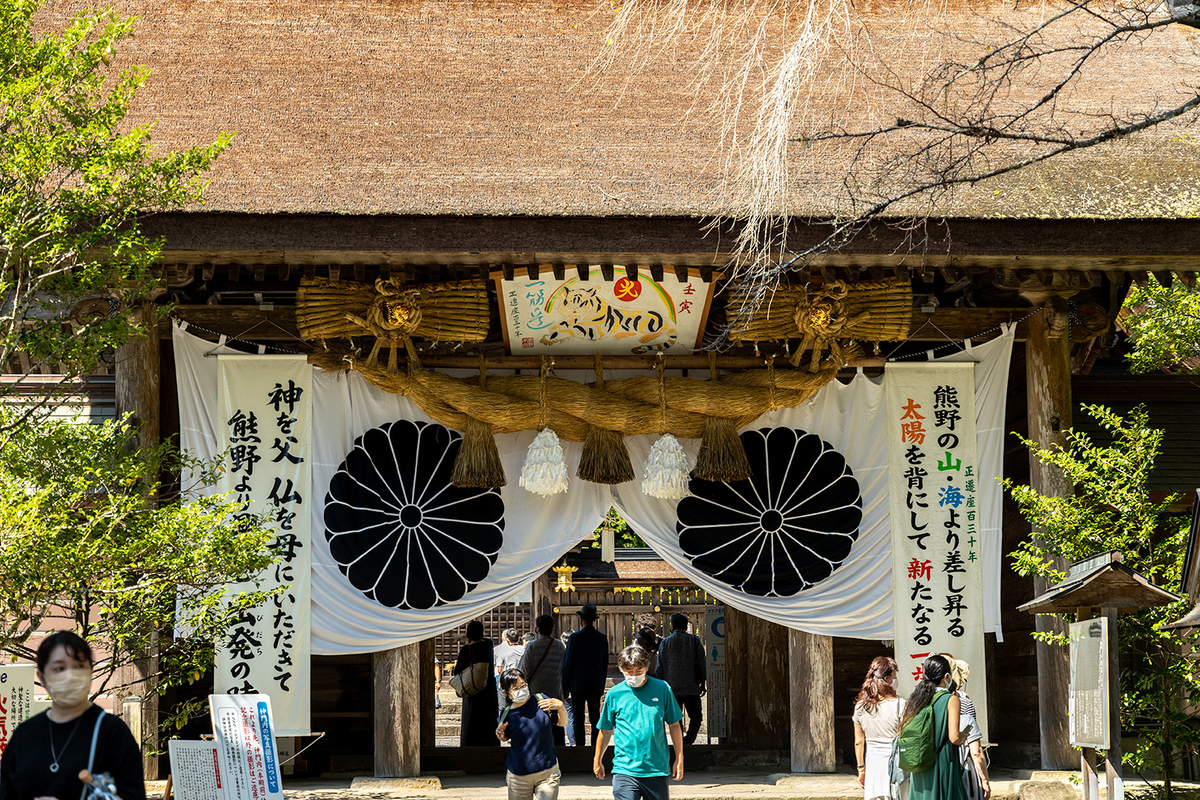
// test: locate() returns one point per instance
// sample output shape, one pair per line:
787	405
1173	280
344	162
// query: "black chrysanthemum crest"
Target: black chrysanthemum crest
783	530
399	530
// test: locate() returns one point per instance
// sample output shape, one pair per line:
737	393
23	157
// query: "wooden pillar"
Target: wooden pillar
1112	757
810	660
137	393
737	677
767	668
543	594
397	712
1048	396
428	692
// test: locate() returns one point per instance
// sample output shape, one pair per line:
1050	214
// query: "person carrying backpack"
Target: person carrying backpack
930	732
533	772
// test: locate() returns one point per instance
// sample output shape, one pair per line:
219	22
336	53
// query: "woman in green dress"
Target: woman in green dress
943	781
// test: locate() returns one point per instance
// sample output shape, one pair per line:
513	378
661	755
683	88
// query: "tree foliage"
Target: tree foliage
1111	508
1164	324
75	180
91	540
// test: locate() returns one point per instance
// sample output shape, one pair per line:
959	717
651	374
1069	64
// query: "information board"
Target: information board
1089	684
714	651
16	699
245	739
196	770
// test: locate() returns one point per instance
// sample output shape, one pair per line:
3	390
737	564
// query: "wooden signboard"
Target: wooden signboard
1089	704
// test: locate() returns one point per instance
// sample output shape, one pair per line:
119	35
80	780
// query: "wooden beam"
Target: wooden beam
429	675
738	678
1048	407
397	712
767	664
810	662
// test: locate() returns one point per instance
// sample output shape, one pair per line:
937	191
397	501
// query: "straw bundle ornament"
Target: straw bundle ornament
544	471
722	456
666	473
478	464
605	458
831	316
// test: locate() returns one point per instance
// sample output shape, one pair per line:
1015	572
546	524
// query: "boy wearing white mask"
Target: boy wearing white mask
533	772
47	751
634	715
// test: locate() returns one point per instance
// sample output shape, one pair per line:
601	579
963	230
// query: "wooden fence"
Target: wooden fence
495	622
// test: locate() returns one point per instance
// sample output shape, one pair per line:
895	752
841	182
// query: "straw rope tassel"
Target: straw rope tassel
605	459
722	456
478	464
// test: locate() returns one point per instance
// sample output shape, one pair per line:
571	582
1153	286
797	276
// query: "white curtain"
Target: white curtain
856	599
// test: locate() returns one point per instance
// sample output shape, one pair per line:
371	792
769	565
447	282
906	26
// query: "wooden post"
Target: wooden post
767	669
397	712
737	676
543	594
810	660
1112	758
137	394
428	712
1048	398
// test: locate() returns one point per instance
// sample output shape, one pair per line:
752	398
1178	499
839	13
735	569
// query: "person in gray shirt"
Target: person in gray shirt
542	666
681	664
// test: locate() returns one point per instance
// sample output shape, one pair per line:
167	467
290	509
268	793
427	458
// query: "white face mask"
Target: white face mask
895	683
69	687
519	696
635	680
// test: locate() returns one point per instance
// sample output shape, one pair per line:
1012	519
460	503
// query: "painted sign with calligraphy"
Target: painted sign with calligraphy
934	482
628	315
16	699
265	413
245	740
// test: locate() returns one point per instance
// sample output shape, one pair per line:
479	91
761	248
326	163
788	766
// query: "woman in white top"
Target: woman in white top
877	711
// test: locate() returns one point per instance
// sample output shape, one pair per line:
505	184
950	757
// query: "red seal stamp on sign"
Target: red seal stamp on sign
627	290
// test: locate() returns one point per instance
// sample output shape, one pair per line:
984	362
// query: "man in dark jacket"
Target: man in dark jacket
681	664
585	671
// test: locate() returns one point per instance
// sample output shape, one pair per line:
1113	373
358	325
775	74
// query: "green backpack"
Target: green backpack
917	744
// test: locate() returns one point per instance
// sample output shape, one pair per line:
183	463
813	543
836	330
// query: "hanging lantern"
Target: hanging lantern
544	472
564	583
666	470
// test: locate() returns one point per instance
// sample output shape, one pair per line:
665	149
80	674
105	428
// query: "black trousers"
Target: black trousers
694	706
578	703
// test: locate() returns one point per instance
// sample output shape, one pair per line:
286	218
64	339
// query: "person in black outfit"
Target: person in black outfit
584	672
47	751
479	711
681	664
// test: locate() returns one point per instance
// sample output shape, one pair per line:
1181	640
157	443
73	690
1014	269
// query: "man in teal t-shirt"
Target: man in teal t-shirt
633	716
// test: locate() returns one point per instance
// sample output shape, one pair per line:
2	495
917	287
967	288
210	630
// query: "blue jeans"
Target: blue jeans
628	787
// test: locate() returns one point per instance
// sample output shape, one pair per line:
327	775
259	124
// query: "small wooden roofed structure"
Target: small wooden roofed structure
438	141
1107	584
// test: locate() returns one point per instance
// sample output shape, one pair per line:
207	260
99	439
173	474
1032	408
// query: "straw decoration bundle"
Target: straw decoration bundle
478	464
544	471
605	458
666	472
625	407
872	311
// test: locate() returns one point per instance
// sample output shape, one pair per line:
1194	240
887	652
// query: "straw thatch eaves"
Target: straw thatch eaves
451	108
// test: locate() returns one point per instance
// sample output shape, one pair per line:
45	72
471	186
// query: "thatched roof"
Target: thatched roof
483	107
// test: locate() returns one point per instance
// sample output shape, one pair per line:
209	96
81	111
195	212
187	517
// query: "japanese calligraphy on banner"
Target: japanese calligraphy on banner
265	414
16	699
245	742
627	315
934	485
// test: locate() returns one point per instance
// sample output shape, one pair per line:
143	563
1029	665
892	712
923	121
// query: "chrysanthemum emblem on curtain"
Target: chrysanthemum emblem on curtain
786	528
401	533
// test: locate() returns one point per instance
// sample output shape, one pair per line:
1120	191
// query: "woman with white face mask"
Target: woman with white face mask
47	751
877	711
532	760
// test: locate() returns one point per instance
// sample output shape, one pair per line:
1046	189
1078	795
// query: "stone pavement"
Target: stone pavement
711	784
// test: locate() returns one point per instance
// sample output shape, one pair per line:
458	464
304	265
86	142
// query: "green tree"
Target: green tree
1111	509
90	540
1164	324
623	535
75	181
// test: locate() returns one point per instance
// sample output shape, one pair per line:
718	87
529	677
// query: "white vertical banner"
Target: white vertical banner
16	699
933	472
714	656
265	421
